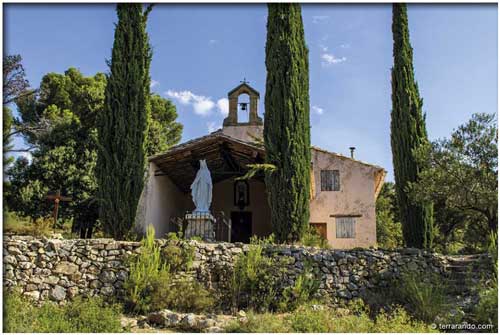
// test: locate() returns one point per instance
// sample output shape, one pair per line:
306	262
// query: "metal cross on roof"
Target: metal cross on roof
244	81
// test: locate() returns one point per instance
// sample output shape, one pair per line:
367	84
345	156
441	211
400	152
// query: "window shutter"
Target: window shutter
330	180
345	227
336	180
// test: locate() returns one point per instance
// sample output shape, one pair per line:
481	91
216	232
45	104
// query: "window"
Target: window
330	180
345	227
320	228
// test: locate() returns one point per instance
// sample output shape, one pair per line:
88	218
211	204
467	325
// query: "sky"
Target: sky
201	52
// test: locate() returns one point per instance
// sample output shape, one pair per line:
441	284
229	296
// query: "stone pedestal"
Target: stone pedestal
200	224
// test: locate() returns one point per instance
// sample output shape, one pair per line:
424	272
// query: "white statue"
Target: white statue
201	189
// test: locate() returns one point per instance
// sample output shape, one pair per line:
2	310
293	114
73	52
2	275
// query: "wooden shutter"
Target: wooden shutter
345	227
330	180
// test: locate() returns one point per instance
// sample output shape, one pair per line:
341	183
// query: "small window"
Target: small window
345	227
320	228
330	180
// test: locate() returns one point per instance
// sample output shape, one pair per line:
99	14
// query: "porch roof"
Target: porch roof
226	157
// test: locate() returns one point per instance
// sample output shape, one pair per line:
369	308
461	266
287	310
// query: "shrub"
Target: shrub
304	289
177	254
80	315
310	318
145	268
153	284
256	279
311	238
424	294
181	294
18	225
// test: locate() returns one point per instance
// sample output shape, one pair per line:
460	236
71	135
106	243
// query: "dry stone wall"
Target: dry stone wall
62	269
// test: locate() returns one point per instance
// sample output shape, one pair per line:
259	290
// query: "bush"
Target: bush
18	225
311	238
321	319
145	268
153	284
256	280
182	294
303	291
79	316
178	255
424	294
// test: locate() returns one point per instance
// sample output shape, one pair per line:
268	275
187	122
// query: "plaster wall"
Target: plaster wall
161	200
356	197
242	131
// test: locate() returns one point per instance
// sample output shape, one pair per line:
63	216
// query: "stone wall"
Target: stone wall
61	269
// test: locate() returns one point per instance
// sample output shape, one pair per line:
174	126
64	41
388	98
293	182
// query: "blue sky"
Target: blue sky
203	51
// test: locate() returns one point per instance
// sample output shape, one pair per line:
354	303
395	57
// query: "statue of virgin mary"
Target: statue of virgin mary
201	189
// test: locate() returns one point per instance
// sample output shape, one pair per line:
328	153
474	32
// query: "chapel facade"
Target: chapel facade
343	190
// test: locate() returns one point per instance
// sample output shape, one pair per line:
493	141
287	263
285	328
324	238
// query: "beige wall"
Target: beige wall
261	214
241	132
356	197
160	201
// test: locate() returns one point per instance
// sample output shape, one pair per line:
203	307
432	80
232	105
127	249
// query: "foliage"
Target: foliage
486	312
163	131
145	269
256	279
389	231
424	294
123	124
287	137
461	176
310	318
311	238
256	168
15	86
64	148
38	227
182	294
303	291
63	155
78	316
154	283
408	133
177	255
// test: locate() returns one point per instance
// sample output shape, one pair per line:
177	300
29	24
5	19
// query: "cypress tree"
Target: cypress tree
408	133
286	129
122	126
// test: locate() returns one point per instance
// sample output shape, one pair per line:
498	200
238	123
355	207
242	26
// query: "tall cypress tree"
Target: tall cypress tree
122	126
408	132
287	136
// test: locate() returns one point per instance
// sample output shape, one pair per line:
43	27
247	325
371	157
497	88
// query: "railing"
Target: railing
200	225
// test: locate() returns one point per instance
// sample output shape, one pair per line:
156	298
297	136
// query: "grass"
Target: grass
310	318
79	316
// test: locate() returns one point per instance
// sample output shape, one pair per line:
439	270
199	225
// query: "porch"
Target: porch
239	207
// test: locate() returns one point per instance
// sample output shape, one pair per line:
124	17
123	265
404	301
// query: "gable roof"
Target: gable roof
250	88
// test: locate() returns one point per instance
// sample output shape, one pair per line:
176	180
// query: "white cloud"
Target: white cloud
212	126
323	48
201	105
211	42
319	18
154	83
345	46
223	106
329	59
317	110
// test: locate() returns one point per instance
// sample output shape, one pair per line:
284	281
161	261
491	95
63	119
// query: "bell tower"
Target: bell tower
243	130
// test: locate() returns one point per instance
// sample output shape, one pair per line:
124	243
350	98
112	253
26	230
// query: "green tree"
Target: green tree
15	86
286	130
462	177
64	154
389	231
163	131
123	125
408	133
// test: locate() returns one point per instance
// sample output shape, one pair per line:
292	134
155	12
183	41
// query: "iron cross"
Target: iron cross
57	198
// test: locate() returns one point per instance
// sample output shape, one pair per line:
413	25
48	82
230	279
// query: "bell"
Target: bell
243	106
